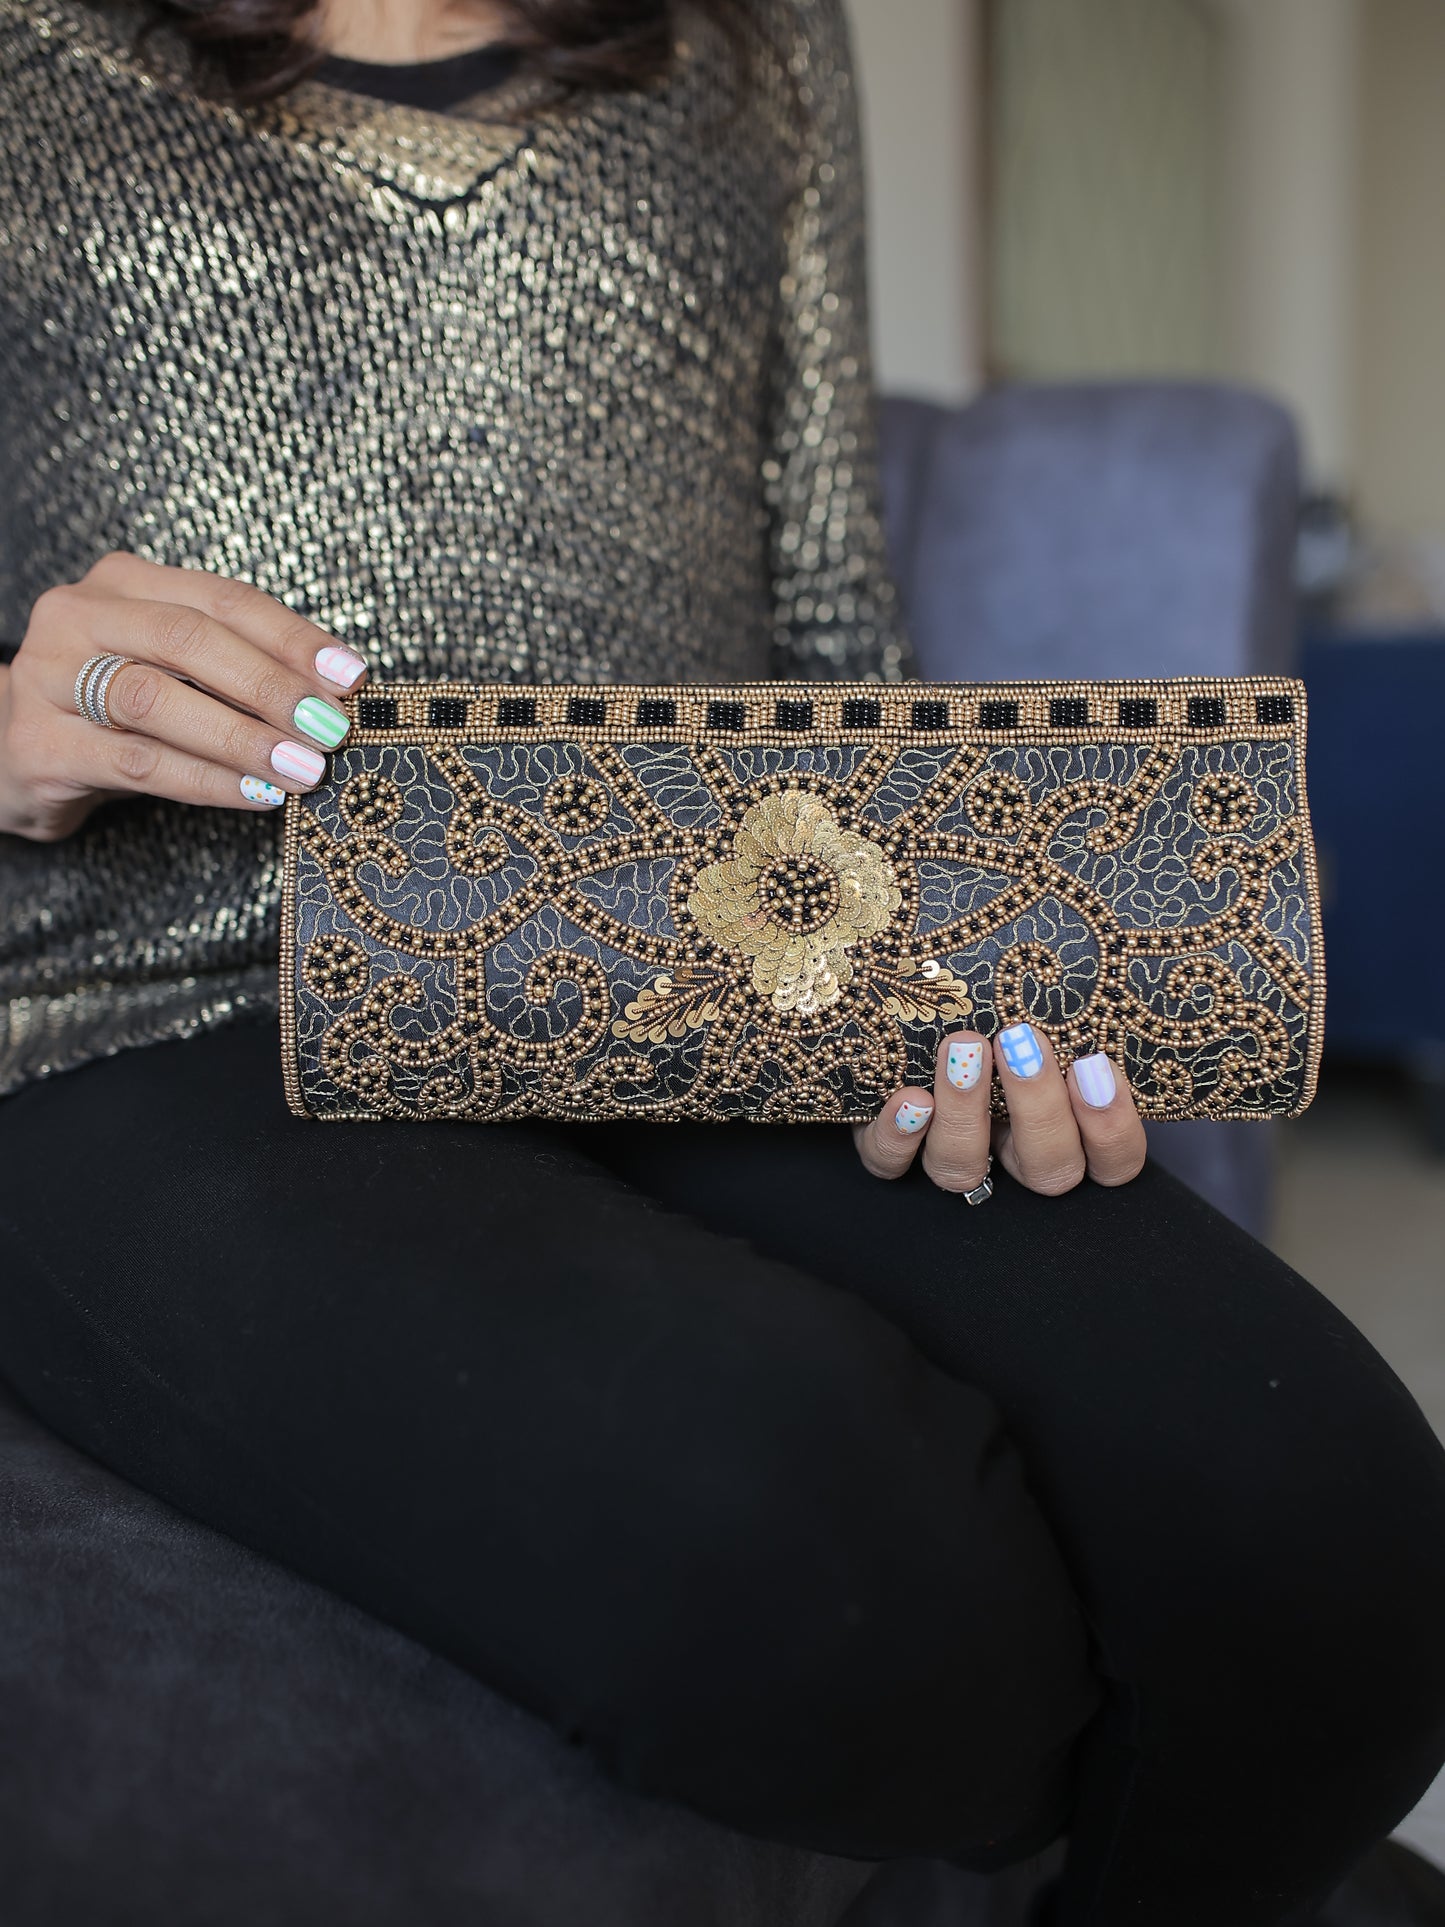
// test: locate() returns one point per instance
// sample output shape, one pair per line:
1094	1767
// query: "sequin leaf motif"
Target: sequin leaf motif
926	993
670	1006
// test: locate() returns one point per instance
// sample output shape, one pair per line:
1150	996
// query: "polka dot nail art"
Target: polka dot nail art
964	1064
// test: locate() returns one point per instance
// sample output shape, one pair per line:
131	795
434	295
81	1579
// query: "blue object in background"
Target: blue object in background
1374	761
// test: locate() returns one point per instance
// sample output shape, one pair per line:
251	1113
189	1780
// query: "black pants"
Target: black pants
838	1510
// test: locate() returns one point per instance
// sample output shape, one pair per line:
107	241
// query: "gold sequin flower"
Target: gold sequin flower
798	892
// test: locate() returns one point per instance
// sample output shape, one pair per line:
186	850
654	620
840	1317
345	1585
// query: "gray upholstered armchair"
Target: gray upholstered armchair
192	1734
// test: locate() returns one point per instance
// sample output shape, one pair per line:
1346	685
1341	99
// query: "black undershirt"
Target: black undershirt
435	85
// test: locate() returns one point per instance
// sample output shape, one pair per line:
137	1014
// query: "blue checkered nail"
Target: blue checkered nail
1020	1048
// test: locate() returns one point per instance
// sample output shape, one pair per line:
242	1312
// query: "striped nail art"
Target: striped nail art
1020	1050
319	721
913	1117
341	666
302	765
255	791
964	1064
1095	1079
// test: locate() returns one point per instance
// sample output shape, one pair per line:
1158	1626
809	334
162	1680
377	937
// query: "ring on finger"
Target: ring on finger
92	686
87	669
99	689
983	1190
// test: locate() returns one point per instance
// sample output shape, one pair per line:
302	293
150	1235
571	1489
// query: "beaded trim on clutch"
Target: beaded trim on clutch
771	900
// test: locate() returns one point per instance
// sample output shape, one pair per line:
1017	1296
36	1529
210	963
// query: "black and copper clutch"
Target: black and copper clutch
770	901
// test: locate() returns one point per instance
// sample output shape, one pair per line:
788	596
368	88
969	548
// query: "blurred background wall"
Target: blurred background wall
1248	189
1399	392
921	86
1103	128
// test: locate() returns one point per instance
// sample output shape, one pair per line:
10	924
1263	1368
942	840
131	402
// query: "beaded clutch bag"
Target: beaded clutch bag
770	901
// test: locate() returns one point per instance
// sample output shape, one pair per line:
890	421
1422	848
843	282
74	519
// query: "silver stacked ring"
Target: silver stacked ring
92	686
87	668
984	1188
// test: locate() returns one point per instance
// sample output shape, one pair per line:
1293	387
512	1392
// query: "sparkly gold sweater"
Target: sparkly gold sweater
513	393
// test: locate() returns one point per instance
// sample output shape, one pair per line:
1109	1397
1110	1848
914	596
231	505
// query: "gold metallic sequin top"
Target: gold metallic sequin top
516	393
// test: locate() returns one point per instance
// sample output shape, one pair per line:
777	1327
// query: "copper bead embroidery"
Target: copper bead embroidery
729	903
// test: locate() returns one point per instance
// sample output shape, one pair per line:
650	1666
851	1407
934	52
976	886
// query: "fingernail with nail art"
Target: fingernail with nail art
302	765
1020	1050
320	721
255	791
913	1117
964	1064
1095	1079
341	666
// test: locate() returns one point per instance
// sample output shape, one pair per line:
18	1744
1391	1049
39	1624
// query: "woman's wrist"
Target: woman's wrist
12	815
23	811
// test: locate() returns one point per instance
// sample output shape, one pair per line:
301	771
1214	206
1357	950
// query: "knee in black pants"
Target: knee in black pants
1372	1579
1295	1601
861	1637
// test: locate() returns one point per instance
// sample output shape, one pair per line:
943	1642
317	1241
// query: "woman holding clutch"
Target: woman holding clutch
527	341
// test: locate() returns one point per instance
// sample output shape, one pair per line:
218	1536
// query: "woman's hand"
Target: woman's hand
229	701
1059	1129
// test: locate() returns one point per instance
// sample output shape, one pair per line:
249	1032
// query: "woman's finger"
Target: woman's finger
1042	1147
323	663
147	700
1109	1125
955	1150
118	762
890	1143
194	649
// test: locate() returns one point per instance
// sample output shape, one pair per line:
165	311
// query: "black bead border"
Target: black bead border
1182	710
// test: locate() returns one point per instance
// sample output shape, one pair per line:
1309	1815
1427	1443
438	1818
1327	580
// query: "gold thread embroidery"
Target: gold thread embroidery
792	965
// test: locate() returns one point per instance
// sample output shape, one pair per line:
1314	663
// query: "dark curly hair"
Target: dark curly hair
252	50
